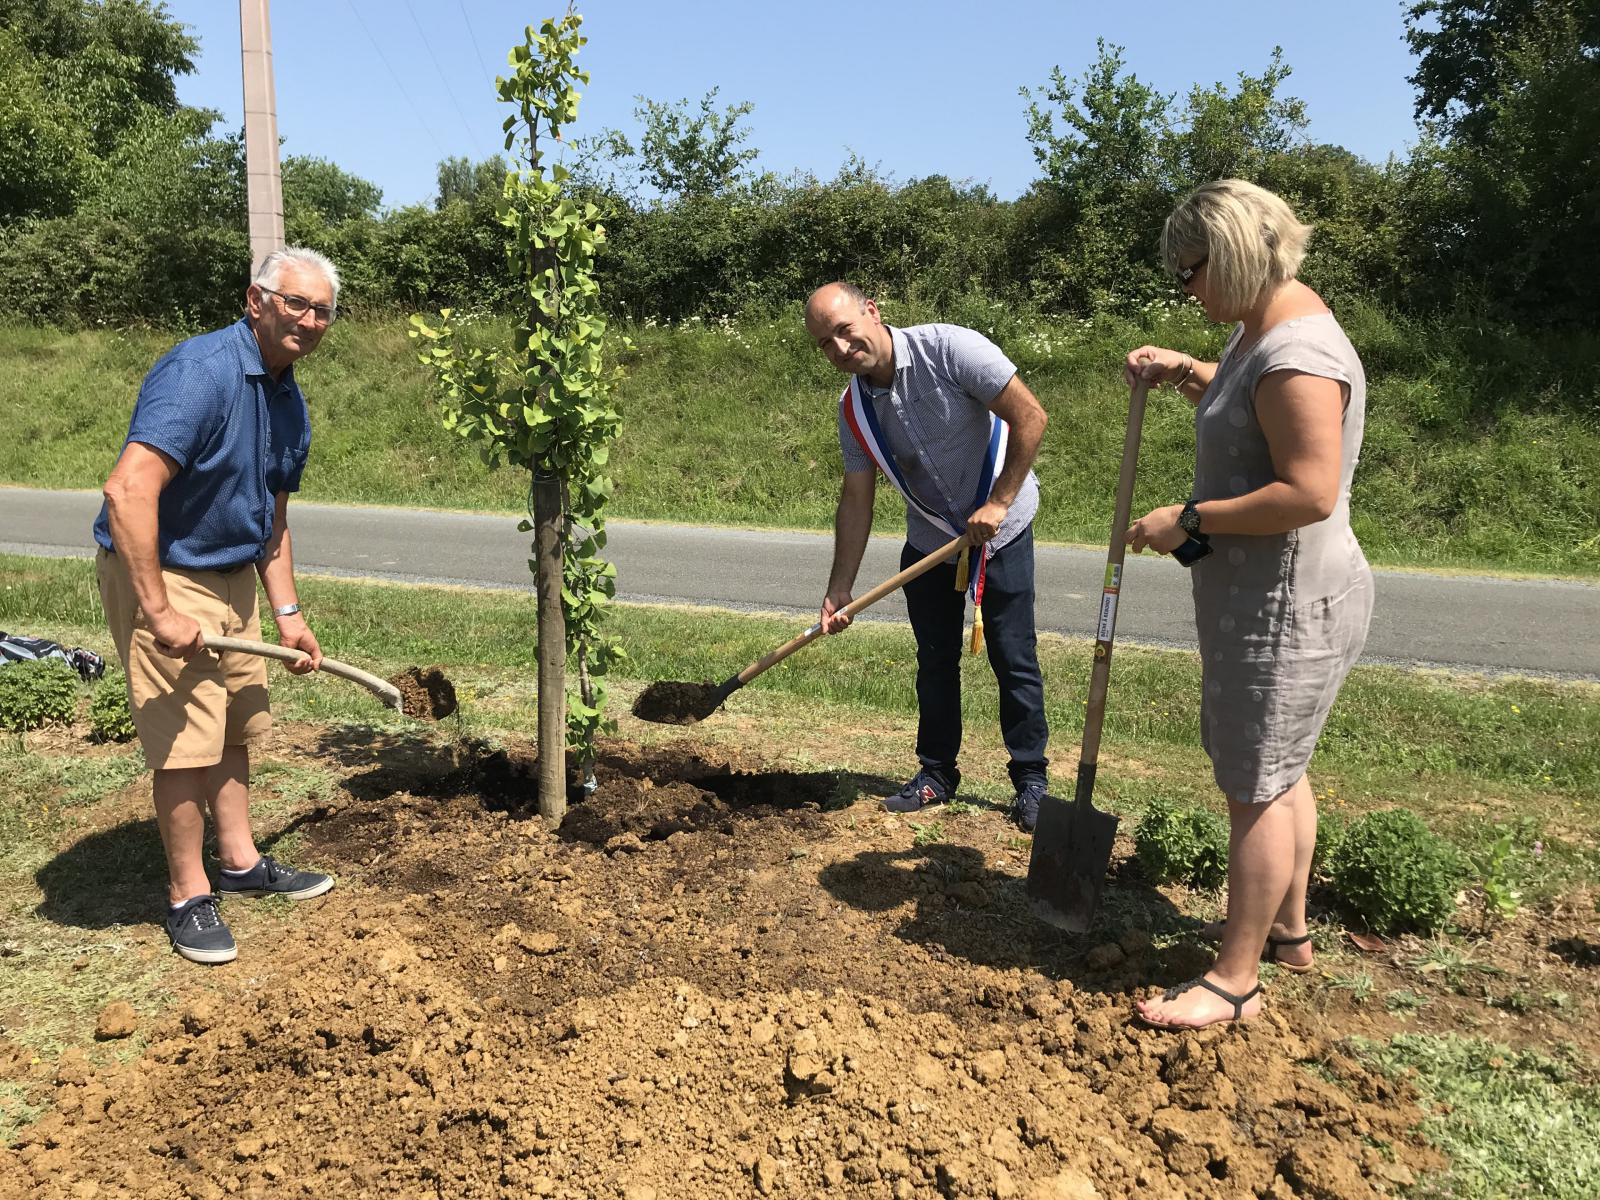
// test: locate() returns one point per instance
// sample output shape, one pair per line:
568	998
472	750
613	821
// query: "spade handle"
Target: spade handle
893	583
380	688
1106	631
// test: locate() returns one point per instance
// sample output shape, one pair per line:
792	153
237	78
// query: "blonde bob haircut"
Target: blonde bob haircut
1250	239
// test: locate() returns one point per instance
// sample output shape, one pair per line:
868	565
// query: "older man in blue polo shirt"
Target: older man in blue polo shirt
923	408
195	509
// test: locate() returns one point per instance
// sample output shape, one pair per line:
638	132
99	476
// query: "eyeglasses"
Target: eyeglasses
298	306
1185	274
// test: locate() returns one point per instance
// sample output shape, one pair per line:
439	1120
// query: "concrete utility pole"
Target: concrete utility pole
265	188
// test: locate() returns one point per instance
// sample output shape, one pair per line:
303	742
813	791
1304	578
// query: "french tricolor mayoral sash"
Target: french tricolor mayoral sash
862	420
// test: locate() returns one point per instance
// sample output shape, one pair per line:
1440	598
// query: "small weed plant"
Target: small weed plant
927	833
37	693
1500	899
109	717
1395	873
1442	957
1182	843
1405	1000
1359	985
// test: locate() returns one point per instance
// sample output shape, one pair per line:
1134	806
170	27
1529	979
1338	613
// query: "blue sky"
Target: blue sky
386	88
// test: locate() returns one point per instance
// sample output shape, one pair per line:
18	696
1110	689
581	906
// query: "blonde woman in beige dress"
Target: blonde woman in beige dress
1282	593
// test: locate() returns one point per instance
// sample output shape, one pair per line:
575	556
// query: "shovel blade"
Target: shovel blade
1071	853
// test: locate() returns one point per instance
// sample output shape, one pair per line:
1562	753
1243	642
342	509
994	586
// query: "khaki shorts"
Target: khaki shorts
186	712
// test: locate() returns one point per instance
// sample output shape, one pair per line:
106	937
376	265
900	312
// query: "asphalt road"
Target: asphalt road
1545	627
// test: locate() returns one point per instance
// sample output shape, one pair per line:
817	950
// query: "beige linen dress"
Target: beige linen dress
1281	618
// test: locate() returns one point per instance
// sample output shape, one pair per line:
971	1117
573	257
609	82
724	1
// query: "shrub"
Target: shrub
109	717
1184	843
36	693
1332	829
1395	873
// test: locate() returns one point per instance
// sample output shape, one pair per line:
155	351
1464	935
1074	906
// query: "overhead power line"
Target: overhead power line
476	49
443	78
395	75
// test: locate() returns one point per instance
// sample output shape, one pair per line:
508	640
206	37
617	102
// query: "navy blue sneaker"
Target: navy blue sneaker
272	878
198	933
924	788
1025	808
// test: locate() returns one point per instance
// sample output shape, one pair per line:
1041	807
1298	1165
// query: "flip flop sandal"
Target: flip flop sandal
1172	993
1269	952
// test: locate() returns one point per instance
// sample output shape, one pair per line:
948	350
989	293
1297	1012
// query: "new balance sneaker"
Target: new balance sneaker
924	788
198	932
272	878
1025	808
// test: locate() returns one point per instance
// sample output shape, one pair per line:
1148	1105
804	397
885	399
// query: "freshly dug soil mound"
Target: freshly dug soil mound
425	693
668	702
710	983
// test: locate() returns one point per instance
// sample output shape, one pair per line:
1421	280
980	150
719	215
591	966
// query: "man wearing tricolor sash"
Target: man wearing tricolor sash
941	412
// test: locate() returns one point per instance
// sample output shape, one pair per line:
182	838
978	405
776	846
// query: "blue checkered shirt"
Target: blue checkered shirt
238	437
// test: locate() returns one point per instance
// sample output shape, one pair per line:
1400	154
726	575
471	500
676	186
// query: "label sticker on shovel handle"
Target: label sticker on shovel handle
1108	616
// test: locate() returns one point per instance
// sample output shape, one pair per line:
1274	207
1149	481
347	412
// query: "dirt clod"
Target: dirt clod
669	702
425	693
117	1020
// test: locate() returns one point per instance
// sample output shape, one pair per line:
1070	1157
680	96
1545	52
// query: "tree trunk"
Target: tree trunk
547	519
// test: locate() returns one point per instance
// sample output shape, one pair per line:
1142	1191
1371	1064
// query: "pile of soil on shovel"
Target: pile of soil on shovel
668	702
754	987
425	693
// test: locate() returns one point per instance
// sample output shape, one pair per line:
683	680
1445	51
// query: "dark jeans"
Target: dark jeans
937	613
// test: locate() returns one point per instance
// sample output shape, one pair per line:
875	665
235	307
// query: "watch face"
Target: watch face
1189	521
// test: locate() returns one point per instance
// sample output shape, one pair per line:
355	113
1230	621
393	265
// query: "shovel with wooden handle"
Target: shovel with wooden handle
1072	842
712	697
380	688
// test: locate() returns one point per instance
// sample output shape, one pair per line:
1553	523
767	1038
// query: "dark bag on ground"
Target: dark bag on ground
14	647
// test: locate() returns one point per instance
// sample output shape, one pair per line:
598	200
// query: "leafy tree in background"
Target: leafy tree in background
114	61
315	185
683	152
461	179
78	77
123	206
1506	187
45	157
1116	155
1103	191
1238	134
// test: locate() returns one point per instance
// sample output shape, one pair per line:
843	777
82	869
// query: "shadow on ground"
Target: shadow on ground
118	876
965	909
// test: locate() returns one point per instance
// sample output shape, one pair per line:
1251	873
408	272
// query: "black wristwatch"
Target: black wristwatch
1189	518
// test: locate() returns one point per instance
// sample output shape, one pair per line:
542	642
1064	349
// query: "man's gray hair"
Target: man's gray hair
271	269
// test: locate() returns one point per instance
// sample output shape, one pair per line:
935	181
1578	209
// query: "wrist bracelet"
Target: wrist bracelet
286	610
1188	370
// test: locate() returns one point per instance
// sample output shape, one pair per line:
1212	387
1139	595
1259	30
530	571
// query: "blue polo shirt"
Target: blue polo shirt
238	437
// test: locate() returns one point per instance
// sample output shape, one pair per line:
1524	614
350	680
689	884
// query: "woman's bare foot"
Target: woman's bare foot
1199	1003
